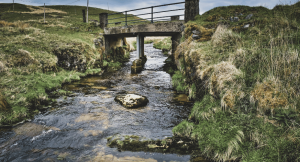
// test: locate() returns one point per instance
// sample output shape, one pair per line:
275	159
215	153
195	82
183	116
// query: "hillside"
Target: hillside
37	57
241	66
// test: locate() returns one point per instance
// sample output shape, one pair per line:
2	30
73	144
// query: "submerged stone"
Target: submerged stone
131	100
136	69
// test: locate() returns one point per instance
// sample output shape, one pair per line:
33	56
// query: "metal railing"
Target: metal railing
151	19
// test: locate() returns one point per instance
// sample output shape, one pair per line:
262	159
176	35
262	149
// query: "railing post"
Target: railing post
103	20
152	14
191	10
174	18
125	18
83	14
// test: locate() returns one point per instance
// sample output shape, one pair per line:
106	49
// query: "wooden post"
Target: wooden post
83	14
125	18
191	10
103	20
44	14
174	18
87	12
152	14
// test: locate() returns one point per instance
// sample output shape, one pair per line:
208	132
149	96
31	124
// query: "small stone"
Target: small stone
247	26
248	16
235	19
196	36
196	32
182	28
132	100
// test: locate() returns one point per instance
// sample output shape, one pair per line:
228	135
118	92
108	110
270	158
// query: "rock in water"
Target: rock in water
138	65
131	100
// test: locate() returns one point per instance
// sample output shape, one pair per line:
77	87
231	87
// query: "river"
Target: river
76	127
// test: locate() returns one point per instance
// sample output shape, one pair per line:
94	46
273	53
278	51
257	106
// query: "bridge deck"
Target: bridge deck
155	29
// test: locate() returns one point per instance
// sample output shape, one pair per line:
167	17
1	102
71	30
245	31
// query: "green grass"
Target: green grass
165	45
146	42
178	81
249	82
30	54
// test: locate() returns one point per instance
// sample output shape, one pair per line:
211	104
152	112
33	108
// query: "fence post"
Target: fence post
83	14
152	14
103	20
191	10
174	18
125	18
44	14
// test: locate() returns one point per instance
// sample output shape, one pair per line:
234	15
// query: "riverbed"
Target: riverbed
76	128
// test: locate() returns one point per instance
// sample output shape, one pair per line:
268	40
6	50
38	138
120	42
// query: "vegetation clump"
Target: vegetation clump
244	80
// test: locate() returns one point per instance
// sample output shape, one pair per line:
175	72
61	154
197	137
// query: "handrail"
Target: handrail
151	13
147	8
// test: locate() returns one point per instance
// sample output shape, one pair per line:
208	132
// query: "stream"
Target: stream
77	127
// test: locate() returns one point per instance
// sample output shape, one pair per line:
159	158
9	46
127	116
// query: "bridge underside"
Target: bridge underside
114	36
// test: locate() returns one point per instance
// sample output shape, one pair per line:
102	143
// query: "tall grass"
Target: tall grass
250	77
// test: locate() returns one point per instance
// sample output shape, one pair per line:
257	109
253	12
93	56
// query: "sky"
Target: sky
123	5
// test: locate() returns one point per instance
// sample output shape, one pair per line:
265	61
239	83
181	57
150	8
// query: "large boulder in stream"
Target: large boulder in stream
131	100
137	66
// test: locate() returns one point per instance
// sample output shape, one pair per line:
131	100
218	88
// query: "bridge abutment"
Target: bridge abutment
175	42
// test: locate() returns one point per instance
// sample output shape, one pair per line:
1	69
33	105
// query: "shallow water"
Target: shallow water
77	127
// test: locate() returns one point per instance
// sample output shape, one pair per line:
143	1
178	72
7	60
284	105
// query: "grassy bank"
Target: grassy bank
37	58
244	81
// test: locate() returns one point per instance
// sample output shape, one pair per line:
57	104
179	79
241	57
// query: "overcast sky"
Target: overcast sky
122	5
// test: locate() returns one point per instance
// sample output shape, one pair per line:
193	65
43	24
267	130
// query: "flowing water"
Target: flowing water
76	128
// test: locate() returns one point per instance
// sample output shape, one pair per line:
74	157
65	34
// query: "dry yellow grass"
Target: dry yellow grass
268	95
17	24
40	10
23	57
224	37
2	67
219	77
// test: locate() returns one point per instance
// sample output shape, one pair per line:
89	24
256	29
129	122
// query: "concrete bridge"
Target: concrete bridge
113	36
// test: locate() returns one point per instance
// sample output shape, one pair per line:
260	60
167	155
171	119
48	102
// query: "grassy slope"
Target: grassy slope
29	50
245	83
